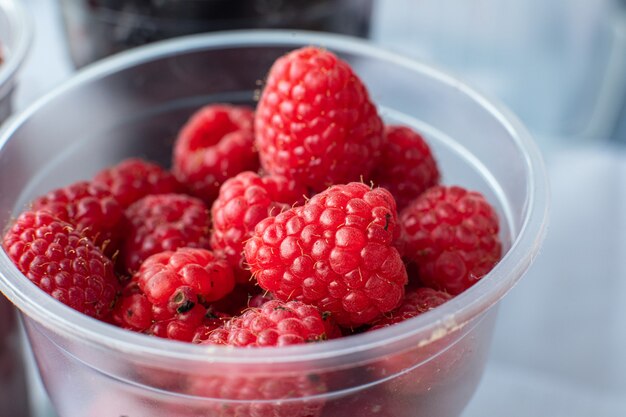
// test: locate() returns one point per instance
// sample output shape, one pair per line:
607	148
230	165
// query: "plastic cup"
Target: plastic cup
14	42
132	105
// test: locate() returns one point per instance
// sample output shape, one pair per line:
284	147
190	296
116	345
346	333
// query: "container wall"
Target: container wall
435	380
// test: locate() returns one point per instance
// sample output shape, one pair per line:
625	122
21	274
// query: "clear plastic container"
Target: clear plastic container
14	42
132	105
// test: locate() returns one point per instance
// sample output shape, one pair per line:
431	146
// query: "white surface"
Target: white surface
560	342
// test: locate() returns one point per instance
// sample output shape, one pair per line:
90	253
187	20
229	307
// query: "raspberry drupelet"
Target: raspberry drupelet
336	252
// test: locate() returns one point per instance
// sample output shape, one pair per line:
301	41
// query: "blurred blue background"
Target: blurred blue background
560	65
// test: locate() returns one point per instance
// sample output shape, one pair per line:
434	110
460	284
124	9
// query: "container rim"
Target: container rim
21	31
450	316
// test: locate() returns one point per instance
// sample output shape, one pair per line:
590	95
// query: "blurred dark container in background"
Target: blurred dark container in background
98	28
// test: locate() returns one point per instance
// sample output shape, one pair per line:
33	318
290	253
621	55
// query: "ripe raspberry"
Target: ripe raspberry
244	201
315	122
260	396
335	252
216	143
166	222
416	302
275	324
134	178
62	262
92	210
407	167
179	320
205	275
452	235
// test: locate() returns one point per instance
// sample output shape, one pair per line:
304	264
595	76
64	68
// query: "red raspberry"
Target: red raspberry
92	210
134	178
216	143
315	122
407	167
416	302
163	274
260	396
179	320
244	201
335	252
452	235
275	323
62	262
166	222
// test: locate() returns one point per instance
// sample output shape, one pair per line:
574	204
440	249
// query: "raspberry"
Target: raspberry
62	262
275	323
134	178
335	252
216	143
261	396
163	274
416	302
407	167
92	210
315	122
179	320
452	235
166	222
244	201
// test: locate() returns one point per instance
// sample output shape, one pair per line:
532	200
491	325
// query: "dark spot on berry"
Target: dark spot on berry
326	315
387	218
185	307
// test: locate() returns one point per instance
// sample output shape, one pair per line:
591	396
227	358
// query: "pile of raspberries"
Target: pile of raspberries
302	220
